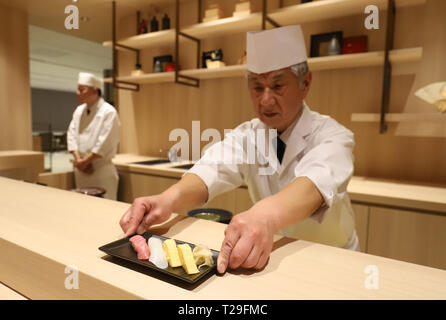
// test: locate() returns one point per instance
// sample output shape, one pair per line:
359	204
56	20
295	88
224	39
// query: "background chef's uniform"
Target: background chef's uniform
317	147
97	132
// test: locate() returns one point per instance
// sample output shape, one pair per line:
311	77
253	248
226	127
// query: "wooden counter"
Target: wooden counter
21	164
8	294
44	230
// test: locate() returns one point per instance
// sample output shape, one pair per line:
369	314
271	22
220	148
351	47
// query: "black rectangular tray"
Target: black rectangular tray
123	249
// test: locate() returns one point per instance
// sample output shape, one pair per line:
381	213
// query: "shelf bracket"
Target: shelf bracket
265	17
129	85
387	77
190	81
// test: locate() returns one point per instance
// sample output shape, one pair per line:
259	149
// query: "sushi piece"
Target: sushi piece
170	248
157	254
140	246
187	259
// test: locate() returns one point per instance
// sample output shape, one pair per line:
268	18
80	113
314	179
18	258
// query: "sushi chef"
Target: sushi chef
303	197
93	138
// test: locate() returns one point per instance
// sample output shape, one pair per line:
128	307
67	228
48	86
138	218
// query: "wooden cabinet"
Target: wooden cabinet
361	222
133	185
411	236
242	200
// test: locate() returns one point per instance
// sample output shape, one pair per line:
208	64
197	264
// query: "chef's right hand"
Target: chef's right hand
145	212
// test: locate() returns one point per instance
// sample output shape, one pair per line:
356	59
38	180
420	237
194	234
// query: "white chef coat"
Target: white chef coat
97	132
317	147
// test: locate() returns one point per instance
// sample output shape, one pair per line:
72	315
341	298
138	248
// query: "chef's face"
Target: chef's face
277	97
86	94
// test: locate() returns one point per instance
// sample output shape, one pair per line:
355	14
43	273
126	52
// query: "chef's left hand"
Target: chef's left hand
82	164
248	240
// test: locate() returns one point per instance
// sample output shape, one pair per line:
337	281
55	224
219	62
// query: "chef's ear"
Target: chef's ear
304	85
307	80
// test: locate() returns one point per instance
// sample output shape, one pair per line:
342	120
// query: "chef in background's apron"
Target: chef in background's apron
93	135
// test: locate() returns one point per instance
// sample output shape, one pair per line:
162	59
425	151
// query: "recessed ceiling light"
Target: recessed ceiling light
75	0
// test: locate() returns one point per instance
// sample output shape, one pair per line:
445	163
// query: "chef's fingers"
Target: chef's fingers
262	261
149	219
253	258
138	211
125	220
241	251
231	237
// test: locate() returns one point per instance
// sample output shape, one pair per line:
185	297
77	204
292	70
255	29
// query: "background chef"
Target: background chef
304	197
93	138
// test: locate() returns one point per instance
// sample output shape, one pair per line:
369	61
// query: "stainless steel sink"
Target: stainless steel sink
184	166
152	162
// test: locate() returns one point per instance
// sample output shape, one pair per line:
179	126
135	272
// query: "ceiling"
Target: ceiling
50	14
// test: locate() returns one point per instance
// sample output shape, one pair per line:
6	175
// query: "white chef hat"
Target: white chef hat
275	49
88	79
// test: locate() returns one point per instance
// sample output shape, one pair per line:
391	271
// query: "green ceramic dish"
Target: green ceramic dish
208	216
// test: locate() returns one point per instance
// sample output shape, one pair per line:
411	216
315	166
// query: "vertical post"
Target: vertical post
138	20
199	11
200	3
264	15
177	35
387	77
114	41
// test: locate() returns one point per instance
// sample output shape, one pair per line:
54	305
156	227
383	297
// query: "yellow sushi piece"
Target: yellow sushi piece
187	259
170	248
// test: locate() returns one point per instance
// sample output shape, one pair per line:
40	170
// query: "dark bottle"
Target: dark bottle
154	25
166	22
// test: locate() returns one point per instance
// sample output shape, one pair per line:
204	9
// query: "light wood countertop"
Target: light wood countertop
44	230
20	159
8	294
360	189
125	162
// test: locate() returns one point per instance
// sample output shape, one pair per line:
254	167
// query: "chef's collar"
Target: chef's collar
94	108
301	126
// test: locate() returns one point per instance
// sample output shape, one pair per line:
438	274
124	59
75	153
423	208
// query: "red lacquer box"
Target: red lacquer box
355	45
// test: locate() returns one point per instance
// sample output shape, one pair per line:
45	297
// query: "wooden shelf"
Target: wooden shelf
330	9
355	60
147	40
300	13
368	59
147	78
225	26
398	117
223	72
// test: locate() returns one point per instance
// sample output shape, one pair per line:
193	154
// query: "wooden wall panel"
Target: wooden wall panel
15	95
150	115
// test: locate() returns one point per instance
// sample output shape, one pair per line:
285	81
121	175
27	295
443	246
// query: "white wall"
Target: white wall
56	59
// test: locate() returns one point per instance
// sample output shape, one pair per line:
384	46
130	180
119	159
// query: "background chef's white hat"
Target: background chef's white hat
88	79
275	49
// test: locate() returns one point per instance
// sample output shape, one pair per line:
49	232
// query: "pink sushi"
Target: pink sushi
140	245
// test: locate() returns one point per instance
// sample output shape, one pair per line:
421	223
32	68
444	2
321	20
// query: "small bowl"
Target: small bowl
208	216
211	214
